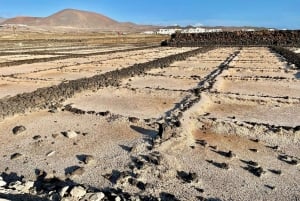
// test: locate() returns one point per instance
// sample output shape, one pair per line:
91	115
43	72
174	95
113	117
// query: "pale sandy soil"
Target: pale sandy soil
48	73
65	48
267	87
11	87
107	59
181	75
83	51
103	140
208	129
126	102
236	183
240	72
161	82
23	57
280	114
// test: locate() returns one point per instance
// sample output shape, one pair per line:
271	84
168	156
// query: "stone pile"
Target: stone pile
54	189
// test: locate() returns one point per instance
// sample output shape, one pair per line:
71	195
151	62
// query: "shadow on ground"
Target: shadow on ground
143	131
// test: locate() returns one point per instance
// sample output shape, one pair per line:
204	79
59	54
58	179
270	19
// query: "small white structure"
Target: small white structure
149	32
248	29
194	30
200	30
213	30
167	31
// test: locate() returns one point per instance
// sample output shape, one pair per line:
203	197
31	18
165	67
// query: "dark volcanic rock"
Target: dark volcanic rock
257	171
288	159
236	38
168	197
15	156
18	129
133	119
219	165
187	177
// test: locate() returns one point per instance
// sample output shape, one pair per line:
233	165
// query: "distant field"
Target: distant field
27	39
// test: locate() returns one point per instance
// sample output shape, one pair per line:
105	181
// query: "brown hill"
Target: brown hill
2	19
78	19
22	20
70	18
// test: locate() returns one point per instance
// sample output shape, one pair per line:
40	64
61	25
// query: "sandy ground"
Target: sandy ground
36	75
137	103
10	87
22	57
253	110
226	147
97	137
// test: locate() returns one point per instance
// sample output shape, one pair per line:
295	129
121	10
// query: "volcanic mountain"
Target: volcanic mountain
71	18
78	19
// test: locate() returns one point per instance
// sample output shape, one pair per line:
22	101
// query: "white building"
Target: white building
168	31
214	30
194	30
248	29
149	32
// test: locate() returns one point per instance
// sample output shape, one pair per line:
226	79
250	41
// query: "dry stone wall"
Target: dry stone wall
289	55
237	38
48	97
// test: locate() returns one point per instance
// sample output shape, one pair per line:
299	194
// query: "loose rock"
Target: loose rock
18	129
2	183
133	119
70	134
36	137
78	192
63	191
89	159
15	156
96	196
50	153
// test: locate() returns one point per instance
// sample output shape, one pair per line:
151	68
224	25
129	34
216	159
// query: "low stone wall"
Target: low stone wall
289	55
46	97
236	38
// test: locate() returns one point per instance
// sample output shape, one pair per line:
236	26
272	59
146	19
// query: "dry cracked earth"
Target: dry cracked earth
220	125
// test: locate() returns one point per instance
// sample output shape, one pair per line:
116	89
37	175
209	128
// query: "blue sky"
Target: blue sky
268	13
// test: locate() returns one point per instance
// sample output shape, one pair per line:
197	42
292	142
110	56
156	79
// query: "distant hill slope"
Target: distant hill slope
2	19
71	18
22	20
77	18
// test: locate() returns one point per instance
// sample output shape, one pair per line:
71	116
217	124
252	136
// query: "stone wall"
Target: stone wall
289	55
46	97
237	38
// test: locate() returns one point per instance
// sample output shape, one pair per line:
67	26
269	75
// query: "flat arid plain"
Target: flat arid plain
123	118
